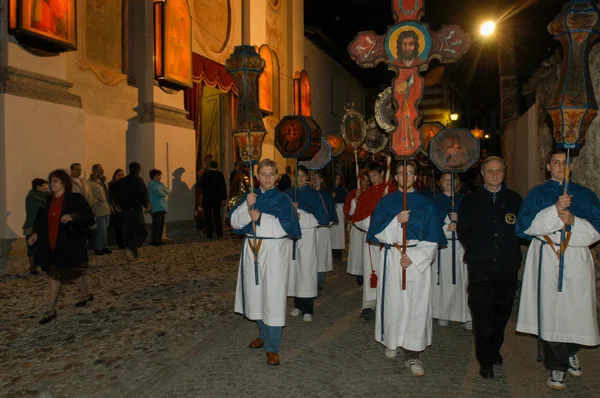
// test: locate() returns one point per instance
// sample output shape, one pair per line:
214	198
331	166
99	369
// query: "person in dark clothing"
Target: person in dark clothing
61	243
131	196
36	198
486	229
116	218
285	181
214	195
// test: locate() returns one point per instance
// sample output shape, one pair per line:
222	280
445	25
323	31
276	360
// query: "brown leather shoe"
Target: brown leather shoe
256	343
272	359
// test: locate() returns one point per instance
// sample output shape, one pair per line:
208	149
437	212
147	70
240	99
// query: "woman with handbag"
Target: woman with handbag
61	243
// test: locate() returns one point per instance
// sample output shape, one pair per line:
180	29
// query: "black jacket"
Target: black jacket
486	230
71	243
285	182
130	192
212	185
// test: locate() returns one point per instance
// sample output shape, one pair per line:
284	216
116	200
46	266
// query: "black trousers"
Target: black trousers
556	355
306	305
116	223
491	297
212	219
135	229
158	226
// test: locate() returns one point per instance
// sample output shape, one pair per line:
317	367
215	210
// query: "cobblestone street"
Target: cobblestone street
165	328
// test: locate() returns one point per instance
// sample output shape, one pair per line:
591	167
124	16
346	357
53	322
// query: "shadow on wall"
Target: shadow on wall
181	200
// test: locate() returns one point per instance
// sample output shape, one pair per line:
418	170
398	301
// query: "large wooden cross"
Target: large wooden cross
407	48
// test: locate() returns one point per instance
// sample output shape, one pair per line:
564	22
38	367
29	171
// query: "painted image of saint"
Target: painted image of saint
50	16
407	47
353	130
178	37
291	141
452	153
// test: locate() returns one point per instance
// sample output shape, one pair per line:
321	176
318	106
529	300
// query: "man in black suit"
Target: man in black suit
214	195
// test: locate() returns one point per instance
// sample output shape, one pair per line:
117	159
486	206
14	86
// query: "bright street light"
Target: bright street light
454	117
488	28
486	136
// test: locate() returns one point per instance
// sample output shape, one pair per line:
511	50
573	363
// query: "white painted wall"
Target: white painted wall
105	140
38	137
321	70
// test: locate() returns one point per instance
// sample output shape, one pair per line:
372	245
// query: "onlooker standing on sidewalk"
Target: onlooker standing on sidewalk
79	183
214	194
486	229
35	200
116	218
285	181
158	204
131	195
101	207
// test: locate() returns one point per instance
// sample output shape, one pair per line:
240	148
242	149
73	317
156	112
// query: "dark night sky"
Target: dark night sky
477	72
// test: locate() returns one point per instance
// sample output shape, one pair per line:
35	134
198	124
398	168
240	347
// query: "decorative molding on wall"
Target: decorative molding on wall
164	114
37	86
110	71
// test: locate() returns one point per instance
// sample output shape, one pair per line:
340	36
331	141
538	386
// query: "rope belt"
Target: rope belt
386	249
360	229
249	239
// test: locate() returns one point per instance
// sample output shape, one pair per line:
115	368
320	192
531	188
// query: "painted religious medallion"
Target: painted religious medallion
454	150
338	145
375	141
353	126
385	109
428	131
408	44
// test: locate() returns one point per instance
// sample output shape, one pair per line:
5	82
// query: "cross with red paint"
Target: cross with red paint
407	48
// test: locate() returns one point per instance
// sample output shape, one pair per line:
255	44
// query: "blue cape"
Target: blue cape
329	205
424	223
308	199
340	195
443	204
277	204
584	204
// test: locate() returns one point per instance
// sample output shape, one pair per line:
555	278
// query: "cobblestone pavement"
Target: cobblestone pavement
165	328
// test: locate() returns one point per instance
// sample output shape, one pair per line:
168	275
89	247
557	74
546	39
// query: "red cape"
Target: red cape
369	199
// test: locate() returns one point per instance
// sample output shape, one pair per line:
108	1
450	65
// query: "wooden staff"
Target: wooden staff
453	233
563	233
404	225
254	248
356	163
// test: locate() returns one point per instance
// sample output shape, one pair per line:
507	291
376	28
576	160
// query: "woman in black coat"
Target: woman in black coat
61	242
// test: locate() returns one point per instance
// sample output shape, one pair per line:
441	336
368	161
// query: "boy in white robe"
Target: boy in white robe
567	319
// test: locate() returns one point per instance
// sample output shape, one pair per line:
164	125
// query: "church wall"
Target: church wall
51	66
332	87
34	146
174	150
105	143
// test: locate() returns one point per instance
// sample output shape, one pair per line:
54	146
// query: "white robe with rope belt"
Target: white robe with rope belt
406	314
338	237
267	300
302	281
449	301
568	316
324	255
355	247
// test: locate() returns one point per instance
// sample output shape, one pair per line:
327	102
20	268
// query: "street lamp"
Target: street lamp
487	28
454	117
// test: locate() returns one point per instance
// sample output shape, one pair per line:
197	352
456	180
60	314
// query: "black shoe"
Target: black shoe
106	250
368	314
83	302
487	372
99	252
498	360
48	316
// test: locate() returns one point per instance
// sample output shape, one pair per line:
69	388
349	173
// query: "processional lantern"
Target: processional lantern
375	141
245	65
297	137
319	159
573	105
